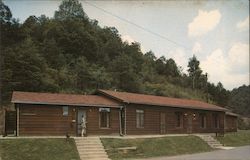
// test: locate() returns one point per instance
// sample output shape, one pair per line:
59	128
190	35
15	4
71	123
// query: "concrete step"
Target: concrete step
92	152
89	144
96	158
94	155
90	147
212	142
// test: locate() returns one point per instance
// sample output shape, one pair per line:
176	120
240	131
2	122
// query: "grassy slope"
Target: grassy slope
38	149
151	147
239	138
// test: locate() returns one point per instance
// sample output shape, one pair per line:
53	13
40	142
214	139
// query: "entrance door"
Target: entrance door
162	123
81	112
10	122
190	124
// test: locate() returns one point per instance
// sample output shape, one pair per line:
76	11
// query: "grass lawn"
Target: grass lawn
151	147
38	149
239	138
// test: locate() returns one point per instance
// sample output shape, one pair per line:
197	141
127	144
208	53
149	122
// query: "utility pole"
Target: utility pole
206	86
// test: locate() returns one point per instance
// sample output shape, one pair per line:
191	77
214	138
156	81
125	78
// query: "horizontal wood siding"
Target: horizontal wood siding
45	120
152	120
231	124
93	119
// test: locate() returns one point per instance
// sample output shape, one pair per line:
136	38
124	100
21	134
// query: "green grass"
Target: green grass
151	147
38	149
239	138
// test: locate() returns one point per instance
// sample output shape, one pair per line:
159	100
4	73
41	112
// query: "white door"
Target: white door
81	112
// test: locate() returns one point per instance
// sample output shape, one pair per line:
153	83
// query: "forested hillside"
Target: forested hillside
71	53
239	100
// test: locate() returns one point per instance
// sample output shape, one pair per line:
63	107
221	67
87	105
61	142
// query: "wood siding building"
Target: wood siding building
116	113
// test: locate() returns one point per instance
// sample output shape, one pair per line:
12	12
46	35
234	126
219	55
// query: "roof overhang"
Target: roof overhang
67	104
176	106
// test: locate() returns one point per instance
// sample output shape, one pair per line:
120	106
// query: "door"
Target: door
190	124
80	113
10	122
162	123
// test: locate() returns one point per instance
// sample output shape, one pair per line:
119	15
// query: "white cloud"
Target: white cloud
243	25
204	22
128	39
197	48
238	57
230	69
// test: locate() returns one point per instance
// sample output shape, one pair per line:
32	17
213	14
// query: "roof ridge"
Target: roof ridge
129	97
102	90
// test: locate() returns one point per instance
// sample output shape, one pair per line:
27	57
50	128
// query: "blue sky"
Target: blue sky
217	32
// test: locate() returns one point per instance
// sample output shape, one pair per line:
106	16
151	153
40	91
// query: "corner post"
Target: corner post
17	120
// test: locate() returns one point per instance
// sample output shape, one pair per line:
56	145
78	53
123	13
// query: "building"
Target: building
116	113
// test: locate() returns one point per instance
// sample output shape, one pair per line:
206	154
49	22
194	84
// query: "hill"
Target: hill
71	53
239	100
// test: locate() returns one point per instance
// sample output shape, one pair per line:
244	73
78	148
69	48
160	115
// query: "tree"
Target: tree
23	68
5	13
123	71
70	9
171	68
194	70
160	65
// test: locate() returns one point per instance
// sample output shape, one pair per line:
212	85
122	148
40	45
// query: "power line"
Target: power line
138	26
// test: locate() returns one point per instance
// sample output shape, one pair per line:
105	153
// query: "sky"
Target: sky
215	31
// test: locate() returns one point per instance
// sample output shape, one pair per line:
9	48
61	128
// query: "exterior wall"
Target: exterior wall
45	120
49	120
152	120
93	119
231	123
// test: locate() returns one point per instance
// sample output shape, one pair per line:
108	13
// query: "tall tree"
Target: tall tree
23	68
5	13
194	70
70	9
171	68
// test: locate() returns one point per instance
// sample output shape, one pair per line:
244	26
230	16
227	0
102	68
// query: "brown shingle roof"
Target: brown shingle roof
62	99
160	100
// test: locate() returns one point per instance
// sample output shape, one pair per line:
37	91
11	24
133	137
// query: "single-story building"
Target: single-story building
118	113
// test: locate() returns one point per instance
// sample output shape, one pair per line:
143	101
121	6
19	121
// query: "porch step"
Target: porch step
212	142
90	148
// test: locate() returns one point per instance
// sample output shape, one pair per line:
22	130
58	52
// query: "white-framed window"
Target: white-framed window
104	117
139	118
65	110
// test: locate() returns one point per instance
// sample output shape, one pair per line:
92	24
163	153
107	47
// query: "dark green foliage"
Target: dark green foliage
239	100
70	9
72	53
243	123
5	13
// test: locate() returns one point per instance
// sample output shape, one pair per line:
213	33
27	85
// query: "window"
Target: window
104	117
178	119
216	121
139	118
65	111
203	120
